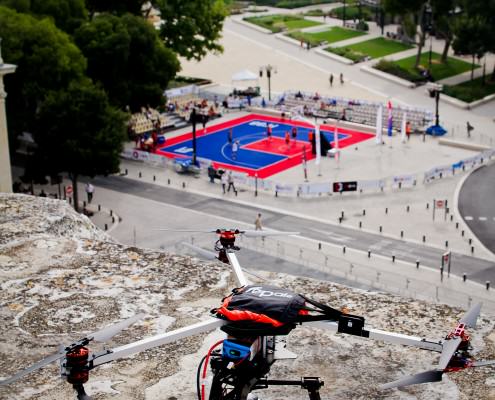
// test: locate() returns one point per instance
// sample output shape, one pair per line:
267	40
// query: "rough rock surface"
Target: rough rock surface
62	278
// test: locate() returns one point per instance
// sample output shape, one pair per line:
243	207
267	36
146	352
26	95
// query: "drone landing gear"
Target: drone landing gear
311	384
81	393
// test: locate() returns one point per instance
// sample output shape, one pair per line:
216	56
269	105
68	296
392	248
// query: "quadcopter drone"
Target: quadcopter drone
256	319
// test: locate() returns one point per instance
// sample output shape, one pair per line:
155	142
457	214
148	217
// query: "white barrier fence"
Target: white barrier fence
319	188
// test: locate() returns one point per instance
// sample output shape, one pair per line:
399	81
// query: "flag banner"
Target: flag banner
379	125
375	184
403	138
285	188
438	172
389	120
313	188
266	184
317	144
403	180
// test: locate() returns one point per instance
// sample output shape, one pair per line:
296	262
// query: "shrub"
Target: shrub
393	69
315	13
347	53
362	26
305	38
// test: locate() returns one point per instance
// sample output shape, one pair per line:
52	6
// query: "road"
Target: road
477	269
477	204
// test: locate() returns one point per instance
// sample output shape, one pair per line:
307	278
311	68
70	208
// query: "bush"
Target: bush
471	90
362	26
298	35
347	53
315	13
393	69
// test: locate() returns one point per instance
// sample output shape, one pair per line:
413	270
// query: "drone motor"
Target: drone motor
76	366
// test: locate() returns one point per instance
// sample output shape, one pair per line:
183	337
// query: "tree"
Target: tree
117	7
78	132
192	27
67	14
412	14
126	56
47	60
479	15
444	16
471	34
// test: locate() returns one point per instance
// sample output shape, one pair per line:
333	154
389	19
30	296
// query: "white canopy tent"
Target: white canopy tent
245	78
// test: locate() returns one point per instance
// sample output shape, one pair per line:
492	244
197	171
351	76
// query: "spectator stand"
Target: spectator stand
357	111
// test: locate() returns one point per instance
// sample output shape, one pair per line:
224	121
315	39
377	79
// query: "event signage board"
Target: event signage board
350	186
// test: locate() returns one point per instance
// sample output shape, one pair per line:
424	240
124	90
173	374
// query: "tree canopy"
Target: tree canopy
192	27
67	14
47	60
77	131
127	58
117	7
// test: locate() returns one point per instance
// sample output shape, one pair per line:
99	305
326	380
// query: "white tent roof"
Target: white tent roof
244	75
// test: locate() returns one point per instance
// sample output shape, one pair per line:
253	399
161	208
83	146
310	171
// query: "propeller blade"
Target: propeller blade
185	230
449	348
32	368
471	316
110	331
483	363
209	255
267	233
422	377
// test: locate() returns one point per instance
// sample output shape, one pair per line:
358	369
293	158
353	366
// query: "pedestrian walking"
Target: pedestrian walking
331	80
341	78
230	180
90	189
469	129
230	135
235	148
225	180
257	223
287	138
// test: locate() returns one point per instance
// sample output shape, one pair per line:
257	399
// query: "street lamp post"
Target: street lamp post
434	90
268	69
194	118
5	169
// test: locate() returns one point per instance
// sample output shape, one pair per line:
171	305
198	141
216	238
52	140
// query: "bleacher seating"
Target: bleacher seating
146	120
357	111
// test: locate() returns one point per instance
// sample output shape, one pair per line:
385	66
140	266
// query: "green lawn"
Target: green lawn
471	90
439	71
277	23
378	47
334	34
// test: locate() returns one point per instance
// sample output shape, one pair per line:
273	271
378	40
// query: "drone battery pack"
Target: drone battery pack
351	324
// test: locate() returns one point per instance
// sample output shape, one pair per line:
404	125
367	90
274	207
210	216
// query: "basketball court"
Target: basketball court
257	154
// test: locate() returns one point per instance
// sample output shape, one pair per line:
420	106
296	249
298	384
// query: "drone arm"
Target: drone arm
157	340
375	334
236	267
